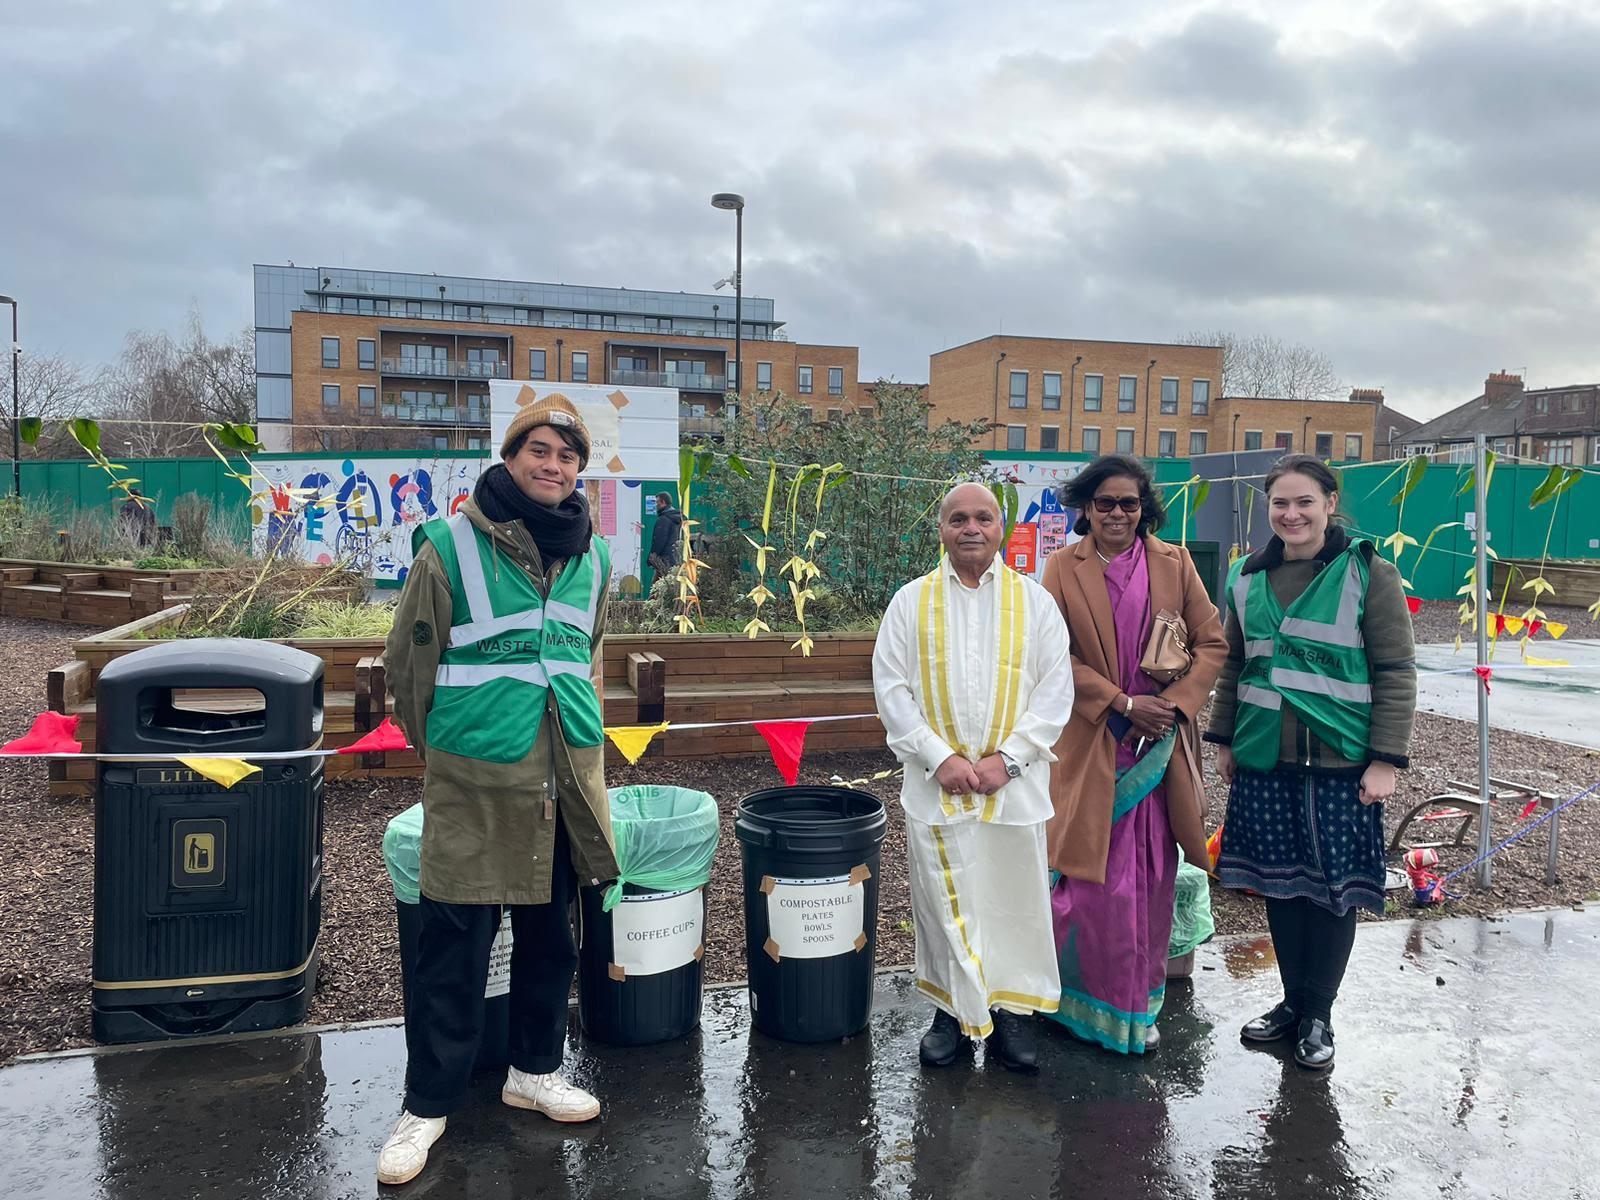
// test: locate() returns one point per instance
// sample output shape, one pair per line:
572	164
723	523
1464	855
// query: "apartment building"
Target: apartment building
1553	425
351	359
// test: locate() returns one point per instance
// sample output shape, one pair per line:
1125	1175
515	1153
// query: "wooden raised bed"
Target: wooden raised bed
86	594
686	679
1576	581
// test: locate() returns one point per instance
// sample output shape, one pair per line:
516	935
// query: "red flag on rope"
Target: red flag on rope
1534	627
1414	603
1528	809
786	740
1484	673
51	734
386	736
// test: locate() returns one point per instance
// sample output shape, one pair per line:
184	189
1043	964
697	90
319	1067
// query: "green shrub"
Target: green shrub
344	619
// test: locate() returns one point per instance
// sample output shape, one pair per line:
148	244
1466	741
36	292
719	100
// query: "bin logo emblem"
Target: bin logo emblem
199	852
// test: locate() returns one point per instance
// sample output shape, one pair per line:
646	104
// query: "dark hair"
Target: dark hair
1308	465
567	435
664	498
1078	492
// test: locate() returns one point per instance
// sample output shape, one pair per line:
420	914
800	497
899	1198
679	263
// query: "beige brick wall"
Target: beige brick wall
1298	423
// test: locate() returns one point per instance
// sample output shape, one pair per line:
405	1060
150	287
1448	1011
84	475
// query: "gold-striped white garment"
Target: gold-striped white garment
970	671
980	898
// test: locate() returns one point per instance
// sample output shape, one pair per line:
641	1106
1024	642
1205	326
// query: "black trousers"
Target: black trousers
1313	948
446	1021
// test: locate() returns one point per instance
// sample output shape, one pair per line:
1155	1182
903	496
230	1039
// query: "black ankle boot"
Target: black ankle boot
942	1042
1270	1026
1012	1041
1314	1050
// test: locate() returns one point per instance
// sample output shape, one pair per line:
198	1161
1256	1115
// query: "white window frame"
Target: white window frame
1012	399
1087	430
1176	400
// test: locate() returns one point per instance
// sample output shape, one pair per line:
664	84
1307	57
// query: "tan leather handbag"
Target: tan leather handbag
1166	656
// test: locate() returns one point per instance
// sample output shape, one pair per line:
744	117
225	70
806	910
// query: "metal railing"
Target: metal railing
689	381
434	414
622	325
700	425
446	368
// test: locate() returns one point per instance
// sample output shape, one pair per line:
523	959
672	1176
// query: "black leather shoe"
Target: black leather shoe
1273	1025
1012	1041
942	1042
1314	1050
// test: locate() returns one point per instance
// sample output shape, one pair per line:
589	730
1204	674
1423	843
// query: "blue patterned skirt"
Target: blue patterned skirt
1292	836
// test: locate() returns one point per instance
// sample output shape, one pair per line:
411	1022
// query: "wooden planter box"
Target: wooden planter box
686	679
86	594
1576	582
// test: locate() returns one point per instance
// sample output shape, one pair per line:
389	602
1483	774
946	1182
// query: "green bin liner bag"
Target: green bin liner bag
665	838
1191	910
402	854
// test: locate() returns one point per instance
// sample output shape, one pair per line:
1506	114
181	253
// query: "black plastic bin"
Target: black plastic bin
810	908
207	900
648	988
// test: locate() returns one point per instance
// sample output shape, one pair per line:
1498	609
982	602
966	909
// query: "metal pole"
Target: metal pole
16	394
1480	494
738	296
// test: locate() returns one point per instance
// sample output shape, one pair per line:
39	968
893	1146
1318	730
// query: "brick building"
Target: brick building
338	350
1554	425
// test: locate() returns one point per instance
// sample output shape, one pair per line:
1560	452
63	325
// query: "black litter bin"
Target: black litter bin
207	899
810	908
639	973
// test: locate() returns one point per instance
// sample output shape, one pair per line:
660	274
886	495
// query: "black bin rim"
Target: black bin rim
796	810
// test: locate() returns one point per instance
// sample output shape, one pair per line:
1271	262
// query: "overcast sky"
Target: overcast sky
1411	187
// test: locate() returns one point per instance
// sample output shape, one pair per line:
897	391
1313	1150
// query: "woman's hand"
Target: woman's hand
1377	782
1152	716
1225	764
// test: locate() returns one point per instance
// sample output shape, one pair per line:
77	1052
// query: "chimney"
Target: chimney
1366	395
1501	385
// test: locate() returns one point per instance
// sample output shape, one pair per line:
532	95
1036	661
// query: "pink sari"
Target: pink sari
1112	938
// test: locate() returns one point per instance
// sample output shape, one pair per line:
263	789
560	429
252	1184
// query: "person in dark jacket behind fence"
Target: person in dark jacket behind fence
1313	713
667	537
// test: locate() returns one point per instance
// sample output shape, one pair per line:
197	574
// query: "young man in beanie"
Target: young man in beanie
495	666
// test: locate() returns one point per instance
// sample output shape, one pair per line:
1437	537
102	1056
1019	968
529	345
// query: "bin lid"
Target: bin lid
191	662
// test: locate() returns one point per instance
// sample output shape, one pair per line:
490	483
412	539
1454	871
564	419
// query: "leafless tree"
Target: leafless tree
53	388
1265	367
160	388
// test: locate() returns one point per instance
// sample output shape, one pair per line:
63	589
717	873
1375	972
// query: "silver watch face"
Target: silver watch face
1013	770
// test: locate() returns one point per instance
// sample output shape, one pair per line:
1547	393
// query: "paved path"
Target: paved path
1466	1069
1559	703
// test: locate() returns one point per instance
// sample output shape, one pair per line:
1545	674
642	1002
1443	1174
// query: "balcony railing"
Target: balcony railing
622	325
434	414
701	426
687	381
446	368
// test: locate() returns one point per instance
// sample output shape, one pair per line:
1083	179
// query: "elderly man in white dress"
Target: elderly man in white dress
974	687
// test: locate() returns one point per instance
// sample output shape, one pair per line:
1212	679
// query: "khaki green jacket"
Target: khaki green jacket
489	832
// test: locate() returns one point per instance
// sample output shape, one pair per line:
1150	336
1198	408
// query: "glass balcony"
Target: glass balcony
434	414
622	324
683	380
446	368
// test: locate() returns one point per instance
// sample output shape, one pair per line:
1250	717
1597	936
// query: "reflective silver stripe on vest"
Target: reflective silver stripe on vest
1306	681
1259	696
1260	648
579	618
470	565
1344	629
556	666
472	674
530	620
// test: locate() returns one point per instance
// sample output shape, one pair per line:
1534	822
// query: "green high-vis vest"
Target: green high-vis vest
1311	654
509	647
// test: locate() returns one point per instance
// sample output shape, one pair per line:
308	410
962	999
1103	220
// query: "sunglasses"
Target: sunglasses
1128	504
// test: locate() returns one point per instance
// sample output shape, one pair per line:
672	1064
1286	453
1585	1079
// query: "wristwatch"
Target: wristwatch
1013	769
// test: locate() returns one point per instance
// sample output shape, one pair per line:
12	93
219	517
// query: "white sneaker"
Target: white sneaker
549	1094
406	1152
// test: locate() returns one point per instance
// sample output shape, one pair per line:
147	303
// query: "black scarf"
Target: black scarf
1334	543
561	531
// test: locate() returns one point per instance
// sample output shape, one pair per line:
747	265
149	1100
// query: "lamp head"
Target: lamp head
728	201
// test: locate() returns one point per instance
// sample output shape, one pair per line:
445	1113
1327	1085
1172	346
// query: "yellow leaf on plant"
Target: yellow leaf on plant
804	645
757	626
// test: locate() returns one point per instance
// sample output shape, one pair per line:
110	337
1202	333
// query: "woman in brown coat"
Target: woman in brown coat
1126	784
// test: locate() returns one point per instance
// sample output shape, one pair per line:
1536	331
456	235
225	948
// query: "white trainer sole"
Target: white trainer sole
519	1101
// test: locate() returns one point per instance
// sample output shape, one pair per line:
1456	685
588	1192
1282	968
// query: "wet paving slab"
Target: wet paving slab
1465	1069
1556	702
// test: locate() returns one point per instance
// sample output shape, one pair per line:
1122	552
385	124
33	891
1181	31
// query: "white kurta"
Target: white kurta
979	877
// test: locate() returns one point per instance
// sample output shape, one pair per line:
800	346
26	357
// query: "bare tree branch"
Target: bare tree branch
1258	366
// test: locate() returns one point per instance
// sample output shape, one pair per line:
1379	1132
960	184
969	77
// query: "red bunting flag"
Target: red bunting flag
1499	624
1527	809
386	736
1414	603
786	740
1534	627
51	734
1484	674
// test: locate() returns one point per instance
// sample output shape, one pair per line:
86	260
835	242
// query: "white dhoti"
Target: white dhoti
980	897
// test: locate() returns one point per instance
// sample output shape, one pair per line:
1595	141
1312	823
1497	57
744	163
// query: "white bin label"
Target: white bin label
656	932
815	918
500	960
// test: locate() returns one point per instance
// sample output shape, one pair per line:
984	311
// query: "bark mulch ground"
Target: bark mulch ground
47	852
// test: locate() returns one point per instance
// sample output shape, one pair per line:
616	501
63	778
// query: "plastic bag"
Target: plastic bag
665	838
402	854
1191	910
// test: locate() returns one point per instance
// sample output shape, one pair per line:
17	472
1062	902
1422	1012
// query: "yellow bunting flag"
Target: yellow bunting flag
226	771
1514	624
633	740
1554	628
1545	662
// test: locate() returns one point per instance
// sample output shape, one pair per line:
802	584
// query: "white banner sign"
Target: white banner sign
633	431
657	932
500	960
815	918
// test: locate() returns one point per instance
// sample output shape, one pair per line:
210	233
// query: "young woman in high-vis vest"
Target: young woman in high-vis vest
1312	717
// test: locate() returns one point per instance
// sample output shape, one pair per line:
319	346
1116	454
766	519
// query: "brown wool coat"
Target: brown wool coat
1083	779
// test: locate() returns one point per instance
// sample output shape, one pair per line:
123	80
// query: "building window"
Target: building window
1125	441
367	398
1252	439
1283	440
865	412
1093	389
1197	441
1016	437
1594	450
483	363
1352	446
1017	395
467	312
1169	397
413	308
536	361
1200	397
367	354
330	395
1052	390
1324	445
835	381
805	381
1127	394
1091	440
1541	404
1461	452
763	377
1167	441
733	375
1558	450
330	352
835	415
1572	402
580	366
1050	436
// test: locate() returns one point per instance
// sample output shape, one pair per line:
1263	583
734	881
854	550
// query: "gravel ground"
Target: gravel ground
47	845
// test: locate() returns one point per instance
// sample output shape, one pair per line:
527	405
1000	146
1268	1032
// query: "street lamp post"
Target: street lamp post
734	203
1072	391
994	425
1305	434
1147	370
16	396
